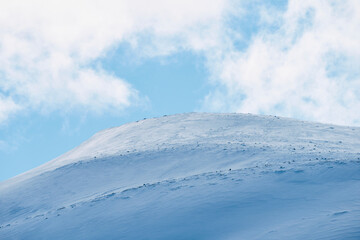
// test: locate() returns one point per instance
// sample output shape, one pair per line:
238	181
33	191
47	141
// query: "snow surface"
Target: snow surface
194	176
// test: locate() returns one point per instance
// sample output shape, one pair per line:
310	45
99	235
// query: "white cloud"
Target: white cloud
301	62
308	68
47	47
7	107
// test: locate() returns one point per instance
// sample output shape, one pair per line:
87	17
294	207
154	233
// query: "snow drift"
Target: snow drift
194	176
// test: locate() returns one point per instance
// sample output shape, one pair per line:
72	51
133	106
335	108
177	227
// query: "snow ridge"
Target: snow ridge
194	176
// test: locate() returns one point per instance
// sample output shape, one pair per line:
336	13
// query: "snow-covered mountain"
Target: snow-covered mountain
194	176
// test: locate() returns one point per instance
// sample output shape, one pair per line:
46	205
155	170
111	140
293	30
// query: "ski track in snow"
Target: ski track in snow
199	176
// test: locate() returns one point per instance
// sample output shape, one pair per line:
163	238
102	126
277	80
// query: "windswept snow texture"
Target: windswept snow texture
194	176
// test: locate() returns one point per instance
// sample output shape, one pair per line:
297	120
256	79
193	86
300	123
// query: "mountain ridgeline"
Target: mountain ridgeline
194	176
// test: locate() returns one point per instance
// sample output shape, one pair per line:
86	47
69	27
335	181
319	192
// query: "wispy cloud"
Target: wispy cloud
300	59
47	47
7	107
303	62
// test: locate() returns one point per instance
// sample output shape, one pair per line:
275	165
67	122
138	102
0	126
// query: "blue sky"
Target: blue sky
68	70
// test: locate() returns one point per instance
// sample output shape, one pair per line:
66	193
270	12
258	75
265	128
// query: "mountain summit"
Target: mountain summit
194	176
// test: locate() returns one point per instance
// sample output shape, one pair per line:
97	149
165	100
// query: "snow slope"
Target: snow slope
194	176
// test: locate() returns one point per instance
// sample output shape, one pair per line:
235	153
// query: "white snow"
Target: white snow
170	178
